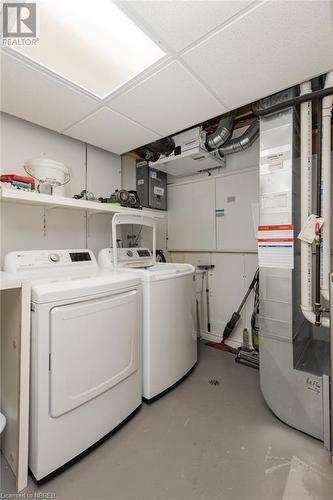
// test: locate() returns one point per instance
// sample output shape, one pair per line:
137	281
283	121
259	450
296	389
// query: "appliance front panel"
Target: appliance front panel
93	347
169	333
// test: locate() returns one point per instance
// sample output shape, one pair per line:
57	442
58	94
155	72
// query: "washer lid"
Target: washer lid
163	271
76	286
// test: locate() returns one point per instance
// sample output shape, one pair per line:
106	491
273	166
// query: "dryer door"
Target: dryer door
94	346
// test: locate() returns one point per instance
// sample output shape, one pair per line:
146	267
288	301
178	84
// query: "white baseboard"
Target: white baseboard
211	337
214	337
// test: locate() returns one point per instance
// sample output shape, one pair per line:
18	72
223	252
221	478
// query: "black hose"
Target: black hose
138	236
230	326
160	255
294	101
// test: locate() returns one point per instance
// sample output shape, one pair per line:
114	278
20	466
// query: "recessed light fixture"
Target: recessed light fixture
92	44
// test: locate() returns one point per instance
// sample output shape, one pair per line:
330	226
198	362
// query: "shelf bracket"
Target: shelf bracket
44	222
45	211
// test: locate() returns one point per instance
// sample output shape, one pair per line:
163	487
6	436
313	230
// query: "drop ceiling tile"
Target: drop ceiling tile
37	97
111	131
272	47
116	52
180	23
168	101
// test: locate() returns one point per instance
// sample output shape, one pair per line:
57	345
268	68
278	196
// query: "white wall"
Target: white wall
228	282
22	227
128	175
226	242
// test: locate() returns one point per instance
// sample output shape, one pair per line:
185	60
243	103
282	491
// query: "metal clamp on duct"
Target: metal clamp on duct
221	134
220	139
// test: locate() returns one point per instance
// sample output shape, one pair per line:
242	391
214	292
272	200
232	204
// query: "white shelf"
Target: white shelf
46	200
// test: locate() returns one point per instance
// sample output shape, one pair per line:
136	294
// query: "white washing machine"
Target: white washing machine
169	316
86	375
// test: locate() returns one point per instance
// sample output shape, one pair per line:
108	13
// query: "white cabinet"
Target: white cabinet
236	196
191	216
214	214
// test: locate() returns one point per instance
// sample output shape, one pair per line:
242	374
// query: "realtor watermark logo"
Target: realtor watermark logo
19	24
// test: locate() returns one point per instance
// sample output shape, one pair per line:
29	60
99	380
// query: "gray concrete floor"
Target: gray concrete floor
200	441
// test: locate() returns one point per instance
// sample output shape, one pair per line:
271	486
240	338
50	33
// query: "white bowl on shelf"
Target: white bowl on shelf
2	422
48	173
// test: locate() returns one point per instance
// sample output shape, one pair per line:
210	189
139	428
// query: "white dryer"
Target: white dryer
86	373
169	312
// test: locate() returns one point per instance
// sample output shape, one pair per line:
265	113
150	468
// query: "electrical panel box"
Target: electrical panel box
151	186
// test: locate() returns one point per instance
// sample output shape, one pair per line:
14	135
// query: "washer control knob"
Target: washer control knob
54	257
129	253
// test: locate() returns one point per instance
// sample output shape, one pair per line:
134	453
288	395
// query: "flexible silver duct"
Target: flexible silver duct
243	142
221	134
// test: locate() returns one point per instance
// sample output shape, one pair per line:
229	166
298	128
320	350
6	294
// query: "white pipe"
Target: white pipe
306	203
326	190
310	316
306	207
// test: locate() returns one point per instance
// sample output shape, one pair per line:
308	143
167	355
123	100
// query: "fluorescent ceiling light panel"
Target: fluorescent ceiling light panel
93	44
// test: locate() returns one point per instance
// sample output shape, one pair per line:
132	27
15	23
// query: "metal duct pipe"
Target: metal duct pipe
221	134
327	104
243	142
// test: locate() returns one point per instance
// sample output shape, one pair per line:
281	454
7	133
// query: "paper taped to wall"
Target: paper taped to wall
311	228
275	161
276	246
